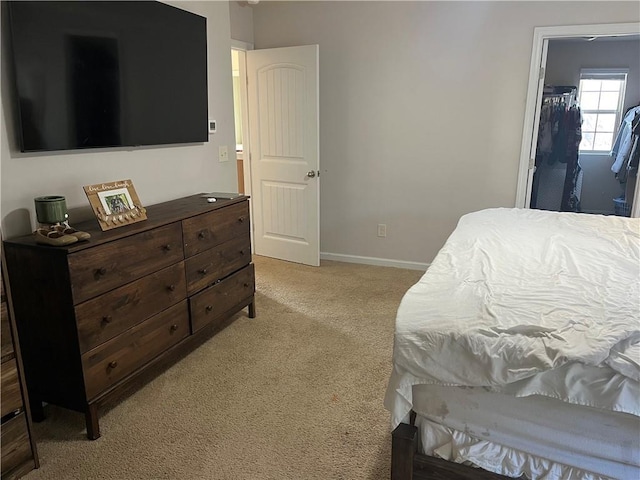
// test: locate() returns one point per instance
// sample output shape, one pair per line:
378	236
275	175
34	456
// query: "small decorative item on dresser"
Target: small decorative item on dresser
115	204
53	220
51	209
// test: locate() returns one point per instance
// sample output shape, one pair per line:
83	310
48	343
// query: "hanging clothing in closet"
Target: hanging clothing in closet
573	128
559	136
626	148
626	157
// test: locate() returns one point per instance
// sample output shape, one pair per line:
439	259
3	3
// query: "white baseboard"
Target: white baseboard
380	262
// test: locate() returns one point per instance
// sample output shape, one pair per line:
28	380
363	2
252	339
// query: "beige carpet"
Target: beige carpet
295	393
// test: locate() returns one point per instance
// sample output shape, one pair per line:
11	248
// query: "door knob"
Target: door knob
311	174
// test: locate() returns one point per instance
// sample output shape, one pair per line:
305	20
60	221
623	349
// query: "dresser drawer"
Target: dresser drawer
16	448
213	228
108	315
211	304
208	267
114	360
97	270
5	333
11	398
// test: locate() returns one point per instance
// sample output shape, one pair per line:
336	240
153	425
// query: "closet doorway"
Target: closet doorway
241	115
595	186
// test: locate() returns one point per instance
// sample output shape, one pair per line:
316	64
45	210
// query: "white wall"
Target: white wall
421	109
158	174
564	61
241	20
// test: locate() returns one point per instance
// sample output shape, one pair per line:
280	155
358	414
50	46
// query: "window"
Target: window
600	96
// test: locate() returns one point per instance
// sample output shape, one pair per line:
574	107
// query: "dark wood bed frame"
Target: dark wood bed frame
408	464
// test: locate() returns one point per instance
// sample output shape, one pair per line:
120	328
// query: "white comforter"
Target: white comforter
516	293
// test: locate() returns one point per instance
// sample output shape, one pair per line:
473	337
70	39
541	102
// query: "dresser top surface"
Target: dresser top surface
157	215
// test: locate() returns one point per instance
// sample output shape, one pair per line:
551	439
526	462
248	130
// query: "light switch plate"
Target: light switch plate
212	126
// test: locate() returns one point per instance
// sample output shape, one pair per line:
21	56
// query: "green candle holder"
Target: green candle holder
51	209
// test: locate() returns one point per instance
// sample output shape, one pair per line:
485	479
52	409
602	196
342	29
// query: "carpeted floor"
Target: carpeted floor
295	393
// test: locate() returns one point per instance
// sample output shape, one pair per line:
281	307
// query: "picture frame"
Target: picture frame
115	204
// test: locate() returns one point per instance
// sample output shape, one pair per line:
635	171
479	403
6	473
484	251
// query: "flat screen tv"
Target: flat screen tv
94	74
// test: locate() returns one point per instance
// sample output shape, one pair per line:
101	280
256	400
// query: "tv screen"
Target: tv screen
108	74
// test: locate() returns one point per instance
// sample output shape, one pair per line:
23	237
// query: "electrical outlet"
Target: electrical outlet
223	153
382	230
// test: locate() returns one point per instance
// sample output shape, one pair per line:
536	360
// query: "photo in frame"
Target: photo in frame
115	204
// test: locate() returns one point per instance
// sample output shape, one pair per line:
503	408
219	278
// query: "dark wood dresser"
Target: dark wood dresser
99	317
19	454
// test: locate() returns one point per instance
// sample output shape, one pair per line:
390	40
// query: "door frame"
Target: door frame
246	148
541	37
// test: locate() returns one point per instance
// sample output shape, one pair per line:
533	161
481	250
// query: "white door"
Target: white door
284	144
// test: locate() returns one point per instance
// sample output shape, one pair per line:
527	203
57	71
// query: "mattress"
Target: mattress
527	304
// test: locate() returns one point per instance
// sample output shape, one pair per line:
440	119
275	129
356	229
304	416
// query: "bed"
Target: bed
517	354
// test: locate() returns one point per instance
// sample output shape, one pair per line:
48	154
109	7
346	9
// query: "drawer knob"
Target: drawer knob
201	235
101	271
166	247
241	252
171	288
208	308
173	328
113	364
202	271
246	285
107	319
241	219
